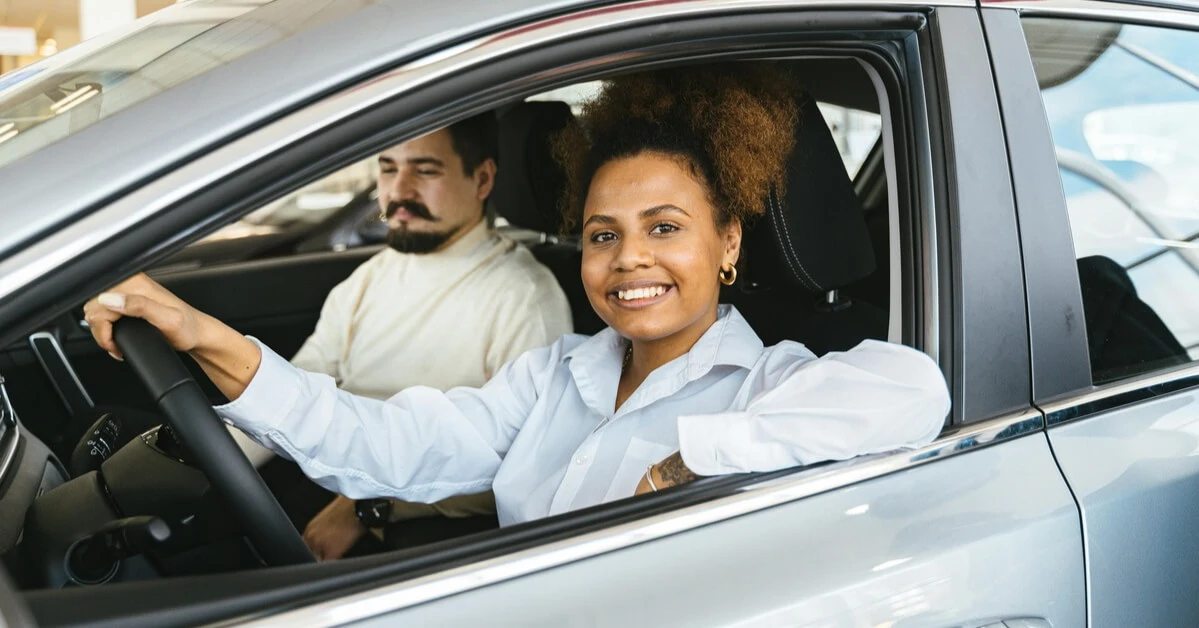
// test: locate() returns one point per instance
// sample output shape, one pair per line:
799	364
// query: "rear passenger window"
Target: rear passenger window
1122	101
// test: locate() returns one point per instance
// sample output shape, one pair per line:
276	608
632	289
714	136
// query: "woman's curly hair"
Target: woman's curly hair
732	124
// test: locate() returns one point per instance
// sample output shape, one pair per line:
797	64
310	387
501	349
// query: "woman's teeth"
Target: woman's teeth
640	293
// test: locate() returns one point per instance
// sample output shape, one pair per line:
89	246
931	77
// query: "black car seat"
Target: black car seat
528	185
1124	335
811	243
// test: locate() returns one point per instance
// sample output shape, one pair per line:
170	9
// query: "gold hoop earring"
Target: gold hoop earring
728	275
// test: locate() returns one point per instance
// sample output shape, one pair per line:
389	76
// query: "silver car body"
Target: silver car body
1001	521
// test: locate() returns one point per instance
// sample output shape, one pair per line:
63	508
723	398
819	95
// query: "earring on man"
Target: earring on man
728	274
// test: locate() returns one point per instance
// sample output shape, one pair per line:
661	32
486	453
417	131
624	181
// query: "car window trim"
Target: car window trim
1059	357
1097	400
1156	14
981	253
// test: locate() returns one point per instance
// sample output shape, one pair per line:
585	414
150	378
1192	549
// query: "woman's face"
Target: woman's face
652	248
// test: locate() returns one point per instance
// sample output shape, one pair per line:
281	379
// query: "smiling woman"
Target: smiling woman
678	160
676	386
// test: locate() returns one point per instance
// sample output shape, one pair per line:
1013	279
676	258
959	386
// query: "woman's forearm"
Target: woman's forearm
228	358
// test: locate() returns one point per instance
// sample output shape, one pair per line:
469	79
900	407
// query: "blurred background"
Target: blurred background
32	29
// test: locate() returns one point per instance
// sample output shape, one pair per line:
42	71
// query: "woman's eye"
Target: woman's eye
387	171
664	227
602	237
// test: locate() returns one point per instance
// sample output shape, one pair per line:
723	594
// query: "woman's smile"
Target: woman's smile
636	295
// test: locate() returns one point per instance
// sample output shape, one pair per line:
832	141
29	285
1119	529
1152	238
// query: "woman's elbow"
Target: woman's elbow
929	401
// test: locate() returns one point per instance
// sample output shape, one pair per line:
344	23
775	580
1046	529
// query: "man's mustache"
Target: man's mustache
412	207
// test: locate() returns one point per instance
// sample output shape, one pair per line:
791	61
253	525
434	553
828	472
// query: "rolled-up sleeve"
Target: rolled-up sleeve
421	445
876	397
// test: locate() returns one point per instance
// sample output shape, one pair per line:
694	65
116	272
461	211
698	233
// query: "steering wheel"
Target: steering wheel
213	449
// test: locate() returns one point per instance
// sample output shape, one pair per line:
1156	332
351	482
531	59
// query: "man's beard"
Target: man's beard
406	240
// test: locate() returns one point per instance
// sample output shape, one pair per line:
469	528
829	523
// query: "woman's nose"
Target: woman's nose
633	253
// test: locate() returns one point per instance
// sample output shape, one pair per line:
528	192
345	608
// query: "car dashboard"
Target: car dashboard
28	469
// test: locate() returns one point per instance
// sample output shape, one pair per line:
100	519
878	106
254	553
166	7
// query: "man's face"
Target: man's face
428	199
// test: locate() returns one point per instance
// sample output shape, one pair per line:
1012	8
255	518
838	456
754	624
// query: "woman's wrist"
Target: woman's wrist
672	471
211	336
228	358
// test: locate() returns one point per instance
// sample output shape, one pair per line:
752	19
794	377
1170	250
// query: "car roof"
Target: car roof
329	46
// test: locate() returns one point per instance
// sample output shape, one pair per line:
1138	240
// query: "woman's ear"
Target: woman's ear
732	242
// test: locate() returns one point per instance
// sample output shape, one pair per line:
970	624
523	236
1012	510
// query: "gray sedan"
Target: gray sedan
1011	185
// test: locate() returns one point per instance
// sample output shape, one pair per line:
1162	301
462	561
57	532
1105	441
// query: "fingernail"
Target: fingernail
112	300
116	357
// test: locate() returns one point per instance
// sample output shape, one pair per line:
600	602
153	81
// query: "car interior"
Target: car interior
101	494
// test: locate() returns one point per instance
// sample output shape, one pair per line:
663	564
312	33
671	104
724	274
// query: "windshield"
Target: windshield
63	94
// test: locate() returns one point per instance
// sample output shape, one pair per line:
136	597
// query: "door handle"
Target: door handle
62	375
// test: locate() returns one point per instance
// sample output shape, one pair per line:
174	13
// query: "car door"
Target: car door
1109	251
964	531
945	535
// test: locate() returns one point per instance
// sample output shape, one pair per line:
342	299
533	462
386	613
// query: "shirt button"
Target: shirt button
581	460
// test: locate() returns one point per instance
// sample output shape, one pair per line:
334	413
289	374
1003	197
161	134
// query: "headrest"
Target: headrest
529	181
814	236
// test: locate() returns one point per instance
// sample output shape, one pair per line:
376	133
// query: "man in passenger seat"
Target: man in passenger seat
447	304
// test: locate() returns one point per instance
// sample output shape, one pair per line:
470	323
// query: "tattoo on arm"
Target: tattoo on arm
674	471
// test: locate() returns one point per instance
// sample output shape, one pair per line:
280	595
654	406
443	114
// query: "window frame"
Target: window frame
1062	378
184	203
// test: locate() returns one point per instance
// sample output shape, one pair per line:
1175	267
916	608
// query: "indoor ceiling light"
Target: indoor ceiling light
74	99
7	132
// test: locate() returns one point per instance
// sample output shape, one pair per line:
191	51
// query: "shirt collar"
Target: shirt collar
469	241
730	341
596	363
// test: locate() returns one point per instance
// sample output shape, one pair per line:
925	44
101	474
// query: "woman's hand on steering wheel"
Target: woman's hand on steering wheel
142	297
229	359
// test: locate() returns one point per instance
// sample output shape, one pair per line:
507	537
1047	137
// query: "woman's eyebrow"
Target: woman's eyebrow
654	211
600	218
645	213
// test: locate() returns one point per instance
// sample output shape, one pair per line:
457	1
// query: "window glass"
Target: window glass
68	92
1121	102
337	212
307	207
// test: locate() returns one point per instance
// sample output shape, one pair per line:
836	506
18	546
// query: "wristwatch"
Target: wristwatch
373	513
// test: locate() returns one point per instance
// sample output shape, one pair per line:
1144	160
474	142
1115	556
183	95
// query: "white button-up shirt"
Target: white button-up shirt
545	436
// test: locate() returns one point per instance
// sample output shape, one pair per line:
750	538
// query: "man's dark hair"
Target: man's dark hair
475	140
